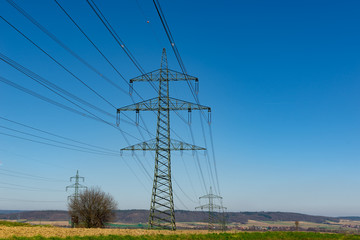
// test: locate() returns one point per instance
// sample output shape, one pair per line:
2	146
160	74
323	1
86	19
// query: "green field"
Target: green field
20	224
243	235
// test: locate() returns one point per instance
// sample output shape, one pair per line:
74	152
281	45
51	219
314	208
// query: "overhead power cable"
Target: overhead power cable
187	196
113	66
31	176
30	188
172	43
53	145
49	85
89	115
125	49
74	147
182	66
119	41
52	36
56	135
57	62
58	90
113	33
29	158
46	99
26	200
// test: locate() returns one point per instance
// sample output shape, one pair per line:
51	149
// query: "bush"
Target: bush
92	208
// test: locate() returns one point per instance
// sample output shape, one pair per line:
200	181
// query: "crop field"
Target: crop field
20	231
38	233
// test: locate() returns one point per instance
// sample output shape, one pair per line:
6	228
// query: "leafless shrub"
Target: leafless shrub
92	208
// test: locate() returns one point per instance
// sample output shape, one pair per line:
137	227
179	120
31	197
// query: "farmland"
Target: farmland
14	230
102	234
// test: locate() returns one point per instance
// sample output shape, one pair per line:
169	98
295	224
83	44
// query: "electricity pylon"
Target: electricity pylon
162	213
76	185
211	206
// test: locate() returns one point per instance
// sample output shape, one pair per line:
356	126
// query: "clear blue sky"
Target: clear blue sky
282	78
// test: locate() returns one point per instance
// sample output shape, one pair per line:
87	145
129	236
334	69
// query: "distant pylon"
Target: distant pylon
76	185
211	206
162	214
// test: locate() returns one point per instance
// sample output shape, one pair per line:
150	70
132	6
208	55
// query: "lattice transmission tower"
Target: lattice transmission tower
211	206
162	213
76	185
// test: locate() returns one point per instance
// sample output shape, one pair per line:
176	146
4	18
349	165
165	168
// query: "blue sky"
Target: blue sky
281	78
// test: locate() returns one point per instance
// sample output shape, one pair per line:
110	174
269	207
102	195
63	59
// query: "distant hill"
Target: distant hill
9	211
37	215
351	218
137	216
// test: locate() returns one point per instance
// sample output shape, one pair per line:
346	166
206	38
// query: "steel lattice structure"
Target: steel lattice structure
162	213
76	185
211	206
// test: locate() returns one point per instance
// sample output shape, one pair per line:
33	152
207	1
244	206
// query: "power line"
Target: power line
52	36
94	117
25	200
57	62
181	64
198	160
107	60
120	42
34	159
92	43
136	62
53	145
46	99
56	89
56	135
30	188
187	196
48	84
31	176
106	23
67	144
213	152
113	33
126	50
128	53
133	172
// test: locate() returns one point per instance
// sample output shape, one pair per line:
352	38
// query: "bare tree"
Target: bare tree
92	208
297	223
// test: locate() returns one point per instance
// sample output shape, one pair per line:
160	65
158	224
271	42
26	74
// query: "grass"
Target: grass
14	224
225	236
20	224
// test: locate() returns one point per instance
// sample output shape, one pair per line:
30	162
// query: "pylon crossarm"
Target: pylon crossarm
218	206
177	104
147	105
76	186
203	206
210	196
153	105
151	146
77	178
207	206
155	76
